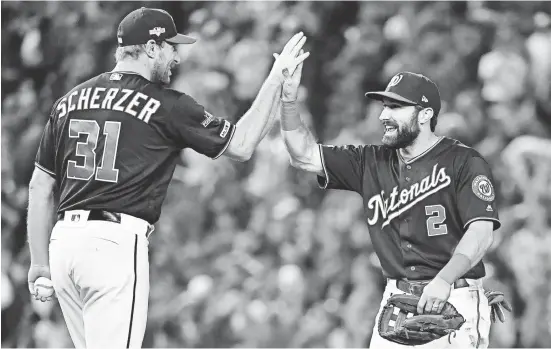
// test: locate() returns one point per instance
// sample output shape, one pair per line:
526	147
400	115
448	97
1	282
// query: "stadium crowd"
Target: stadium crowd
254	254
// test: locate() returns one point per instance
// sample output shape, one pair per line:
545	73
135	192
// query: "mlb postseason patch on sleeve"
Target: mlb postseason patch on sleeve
482	187
208	119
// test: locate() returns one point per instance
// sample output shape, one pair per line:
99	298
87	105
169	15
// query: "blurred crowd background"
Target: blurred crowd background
254	254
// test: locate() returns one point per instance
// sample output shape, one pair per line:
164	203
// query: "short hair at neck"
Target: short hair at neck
129	52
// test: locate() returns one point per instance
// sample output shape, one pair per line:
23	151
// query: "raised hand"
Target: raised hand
290	57
291	83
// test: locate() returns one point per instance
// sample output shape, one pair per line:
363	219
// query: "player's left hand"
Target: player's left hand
434	296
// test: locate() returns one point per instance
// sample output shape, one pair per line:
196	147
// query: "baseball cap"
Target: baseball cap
144	24
411	89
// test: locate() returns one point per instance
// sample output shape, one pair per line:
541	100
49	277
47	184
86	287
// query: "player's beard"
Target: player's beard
160	73
405	134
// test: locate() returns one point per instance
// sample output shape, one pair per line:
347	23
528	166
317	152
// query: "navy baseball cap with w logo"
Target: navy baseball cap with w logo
411	89
144	24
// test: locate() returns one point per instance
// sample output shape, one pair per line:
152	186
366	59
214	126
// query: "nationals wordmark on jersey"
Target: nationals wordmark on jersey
417	210
408	197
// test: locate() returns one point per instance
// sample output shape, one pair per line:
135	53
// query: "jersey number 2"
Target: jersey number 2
437	215
106	172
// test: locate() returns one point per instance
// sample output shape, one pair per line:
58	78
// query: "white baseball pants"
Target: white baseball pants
100	272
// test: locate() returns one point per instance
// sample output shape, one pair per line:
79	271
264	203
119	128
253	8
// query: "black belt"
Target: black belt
416	287
95	215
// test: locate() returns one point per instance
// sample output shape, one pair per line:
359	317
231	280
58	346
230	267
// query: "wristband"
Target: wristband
290	118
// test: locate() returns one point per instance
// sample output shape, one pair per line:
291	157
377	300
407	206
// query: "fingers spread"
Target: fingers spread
298	70
507	305
499	314
302	57
292	43
428	306
298	47
421	304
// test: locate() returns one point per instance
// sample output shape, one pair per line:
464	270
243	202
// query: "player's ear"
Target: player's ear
425	115
150	48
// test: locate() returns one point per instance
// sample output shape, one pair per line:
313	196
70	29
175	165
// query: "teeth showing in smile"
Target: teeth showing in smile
389	128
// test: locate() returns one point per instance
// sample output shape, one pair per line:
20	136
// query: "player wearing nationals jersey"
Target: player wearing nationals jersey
429	202
109	150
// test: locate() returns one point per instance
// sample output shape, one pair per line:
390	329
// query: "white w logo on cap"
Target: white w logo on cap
395	80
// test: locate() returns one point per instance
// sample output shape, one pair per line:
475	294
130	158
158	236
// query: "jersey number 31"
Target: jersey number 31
437	215
105	172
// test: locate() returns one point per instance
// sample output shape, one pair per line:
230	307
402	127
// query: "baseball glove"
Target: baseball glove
400	323
496	300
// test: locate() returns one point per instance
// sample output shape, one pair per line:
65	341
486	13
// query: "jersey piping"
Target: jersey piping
407	162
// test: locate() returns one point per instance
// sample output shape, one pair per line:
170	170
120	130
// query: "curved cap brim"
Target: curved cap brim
390	95
181	39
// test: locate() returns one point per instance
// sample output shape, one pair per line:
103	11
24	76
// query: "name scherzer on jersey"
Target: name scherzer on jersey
416	210
113	142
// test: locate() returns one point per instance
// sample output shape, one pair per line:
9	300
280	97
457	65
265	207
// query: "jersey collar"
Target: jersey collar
420	155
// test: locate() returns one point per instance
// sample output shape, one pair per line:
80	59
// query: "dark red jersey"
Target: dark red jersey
416	210
112	143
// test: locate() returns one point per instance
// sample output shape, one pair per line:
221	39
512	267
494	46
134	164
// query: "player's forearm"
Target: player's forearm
470	250
299	141
255	123
274	114
40	220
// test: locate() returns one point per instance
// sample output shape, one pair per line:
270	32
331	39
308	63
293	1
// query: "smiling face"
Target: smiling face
401	124
165	59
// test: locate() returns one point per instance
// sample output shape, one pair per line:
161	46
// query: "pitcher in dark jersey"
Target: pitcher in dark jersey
429	202
109	149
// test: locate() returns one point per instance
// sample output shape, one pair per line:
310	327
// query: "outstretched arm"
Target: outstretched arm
259	119
301	144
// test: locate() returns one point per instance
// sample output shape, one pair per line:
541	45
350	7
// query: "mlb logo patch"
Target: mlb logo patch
115	77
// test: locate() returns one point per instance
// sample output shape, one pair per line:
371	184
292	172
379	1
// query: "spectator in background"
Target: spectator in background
358	46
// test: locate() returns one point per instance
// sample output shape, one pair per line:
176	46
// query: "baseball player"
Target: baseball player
109	151
429	202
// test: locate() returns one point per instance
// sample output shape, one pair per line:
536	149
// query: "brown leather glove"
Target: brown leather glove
400	323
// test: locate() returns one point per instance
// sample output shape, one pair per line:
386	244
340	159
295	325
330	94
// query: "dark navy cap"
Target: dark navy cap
144	24
411	89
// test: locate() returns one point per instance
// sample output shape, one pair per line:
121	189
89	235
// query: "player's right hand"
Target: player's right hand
36	271
289	92
290	57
